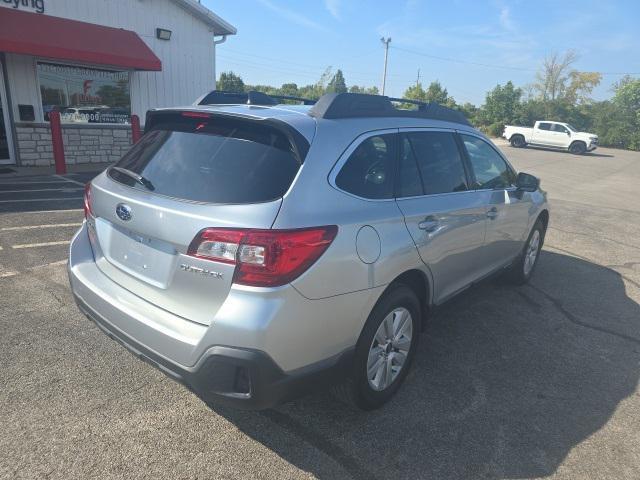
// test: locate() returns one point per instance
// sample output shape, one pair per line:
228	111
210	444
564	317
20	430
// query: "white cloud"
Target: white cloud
292	16
505	19
334	8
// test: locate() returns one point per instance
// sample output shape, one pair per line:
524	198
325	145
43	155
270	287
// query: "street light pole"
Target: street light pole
386	42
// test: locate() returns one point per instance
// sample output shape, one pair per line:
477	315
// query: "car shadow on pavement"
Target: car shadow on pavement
507	381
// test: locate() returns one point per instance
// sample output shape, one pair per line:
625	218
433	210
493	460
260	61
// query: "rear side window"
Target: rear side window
212	160
544	126
369	170
430	164
490	170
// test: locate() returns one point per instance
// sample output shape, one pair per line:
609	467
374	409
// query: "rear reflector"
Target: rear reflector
264	258
88	211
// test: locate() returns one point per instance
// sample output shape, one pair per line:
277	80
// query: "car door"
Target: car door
445	218
507	208
542	134
562	136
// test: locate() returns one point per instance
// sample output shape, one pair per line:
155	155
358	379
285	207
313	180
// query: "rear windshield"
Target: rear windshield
213	160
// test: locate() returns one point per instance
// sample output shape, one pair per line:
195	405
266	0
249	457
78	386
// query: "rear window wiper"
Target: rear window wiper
138	178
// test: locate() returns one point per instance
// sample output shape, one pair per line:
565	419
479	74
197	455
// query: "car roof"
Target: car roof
301	117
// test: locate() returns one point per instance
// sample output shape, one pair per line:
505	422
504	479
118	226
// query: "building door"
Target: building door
6	138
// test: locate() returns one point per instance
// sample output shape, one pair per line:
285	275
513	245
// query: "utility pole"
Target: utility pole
386	42
418	79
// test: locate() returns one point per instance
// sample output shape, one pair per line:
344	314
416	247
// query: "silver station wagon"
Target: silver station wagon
257	251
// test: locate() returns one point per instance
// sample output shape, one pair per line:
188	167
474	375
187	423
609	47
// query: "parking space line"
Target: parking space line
70	180
30	183
34	227
36	245
66	210
41	199
50	264
67	189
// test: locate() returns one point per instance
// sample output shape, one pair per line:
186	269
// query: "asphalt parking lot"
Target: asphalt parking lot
527	382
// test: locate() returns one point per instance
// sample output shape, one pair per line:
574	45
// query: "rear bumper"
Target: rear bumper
257	352
242	378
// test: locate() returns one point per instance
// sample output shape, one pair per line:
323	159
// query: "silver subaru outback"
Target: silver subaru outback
257	251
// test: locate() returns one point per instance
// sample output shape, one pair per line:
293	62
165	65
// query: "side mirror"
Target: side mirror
527	183
568	133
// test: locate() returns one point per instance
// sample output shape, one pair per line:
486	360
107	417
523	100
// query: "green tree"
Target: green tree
626	102
501	107
337	83
230	82
290	89
434	93
416	92
368	90
438	94
551	79
581	84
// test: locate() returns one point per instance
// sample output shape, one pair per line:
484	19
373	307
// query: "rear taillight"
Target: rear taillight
264	258
88	211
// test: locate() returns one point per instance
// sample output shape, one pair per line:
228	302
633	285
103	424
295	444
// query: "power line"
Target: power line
285	70
489	65
335	62
456	60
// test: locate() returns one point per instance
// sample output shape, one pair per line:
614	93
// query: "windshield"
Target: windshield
571	127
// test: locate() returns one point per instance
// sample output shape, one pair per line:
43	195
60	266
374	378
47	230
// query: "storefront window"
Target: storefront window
84	95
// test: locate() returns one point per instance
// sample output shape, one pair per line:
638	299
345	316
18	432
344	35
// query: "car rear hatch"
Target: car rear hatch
190	171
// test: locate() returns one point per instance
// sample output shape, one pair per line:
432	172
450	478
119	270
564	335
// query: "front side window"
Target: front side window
559	128
369	171
489	168
84	95
430	163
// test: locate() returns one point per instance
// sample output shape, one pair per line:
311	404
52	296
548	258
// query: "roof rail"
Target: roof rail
355	105
253	97
341	105
305	101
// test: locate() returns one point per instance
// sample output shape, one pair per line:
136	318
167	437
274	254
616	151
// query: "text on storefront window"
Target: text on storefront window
84	95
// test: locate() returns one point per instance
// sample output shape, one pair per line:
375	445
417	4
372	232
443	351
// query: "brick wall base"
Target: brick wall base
82	143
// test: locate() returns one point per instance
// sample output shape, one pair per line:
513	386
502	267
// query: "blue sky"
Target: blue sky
469	46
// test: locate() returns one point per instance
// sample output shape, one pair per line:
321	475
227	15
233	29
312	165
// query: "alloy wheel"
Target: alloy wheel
389	348
531	254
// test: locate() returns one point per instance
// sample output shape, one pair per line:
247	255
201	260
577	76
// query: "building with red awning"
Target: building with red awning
97	63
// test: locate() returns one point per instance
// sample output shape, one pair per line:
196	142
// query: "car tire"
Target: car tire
517	141
578	148
384	351
523	267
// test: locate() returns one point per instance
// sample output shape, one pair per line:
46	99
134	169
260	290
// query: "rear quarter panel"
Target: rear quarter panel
312	201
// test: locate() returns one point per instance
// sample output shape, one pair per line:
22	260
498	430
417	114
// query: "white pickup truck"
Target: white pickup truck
551	135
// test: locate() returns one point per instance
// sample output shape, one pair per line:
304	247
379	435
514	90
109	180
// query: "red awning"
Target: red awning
59	38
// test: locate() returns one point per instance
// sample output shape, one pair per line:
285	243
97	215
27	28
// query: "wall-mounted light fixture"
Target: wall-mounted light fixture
163	34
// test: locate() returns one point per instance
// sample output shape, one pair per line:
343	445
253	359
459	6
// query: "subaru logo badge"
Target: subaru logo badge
123	212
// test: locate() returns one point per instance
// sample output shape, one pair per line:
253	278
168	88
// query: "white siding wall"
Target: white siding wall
188	64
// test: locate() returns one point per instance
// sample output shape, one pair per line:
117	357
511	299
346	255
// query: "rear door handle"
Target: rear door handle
492	213
429	224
